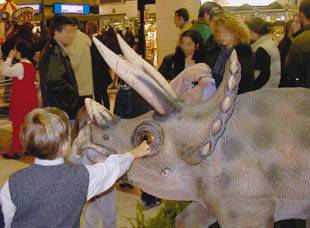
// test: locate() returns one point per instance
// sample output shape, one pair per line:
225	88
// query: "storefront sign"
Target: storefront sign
71	8
36	7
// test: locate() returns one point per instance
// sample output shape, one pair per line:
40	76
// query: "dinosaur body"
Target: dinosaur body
243	160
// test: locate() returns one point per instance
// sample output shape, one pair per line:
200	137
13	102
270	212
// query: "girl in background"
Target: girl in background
23	94
189	52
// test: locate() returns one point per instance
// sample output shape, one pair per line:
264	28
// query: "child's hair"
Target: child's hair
45	132
26	49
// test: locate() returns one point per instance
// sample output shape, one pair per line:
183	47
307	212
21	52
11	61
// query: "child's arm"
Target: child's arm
103	175
17	70
8	207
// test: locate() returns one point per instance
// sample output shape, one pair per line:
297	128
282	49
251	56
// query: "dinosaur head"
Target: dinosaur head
181	136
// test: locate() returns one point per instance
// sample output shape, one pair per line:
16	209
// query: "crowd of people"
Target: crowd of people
71	69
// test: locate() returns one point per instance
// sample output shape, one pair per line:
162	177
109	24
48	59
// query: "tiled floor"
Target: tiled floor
126	200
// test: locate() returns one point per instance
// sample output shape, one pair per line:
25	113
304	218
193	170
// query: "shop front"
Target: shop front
82	10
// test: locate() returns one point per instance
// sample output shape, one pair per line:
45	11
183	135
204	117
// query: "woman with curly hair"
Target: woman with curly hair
232	34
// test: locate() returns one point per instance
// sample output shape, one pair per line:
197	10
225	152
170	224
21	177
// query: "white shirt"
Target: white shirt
101	177
16	70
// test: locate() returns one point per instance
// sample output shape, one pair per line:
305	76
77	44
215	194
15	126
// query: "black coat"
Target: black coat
246	60
174	64
262	64
297	62
284	47
57	80
1	218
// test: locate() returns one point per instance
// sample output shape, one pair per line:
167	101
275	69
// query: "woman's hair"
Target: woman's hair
198	57
259	26
45	132
26	49
234	25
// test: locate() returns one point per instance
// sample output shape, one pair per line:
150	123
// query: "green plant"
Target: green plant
164	219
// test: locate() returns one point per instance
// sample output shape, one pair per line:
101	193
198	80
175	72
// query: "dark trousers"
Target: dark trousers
102	97
1	218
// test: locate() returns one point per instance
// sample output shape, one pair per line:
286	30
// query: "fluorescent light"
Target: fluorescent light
241	2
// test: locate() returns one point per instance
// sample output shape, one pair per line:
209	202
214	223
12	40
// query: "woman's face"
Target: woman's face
226	37
296	25
188	46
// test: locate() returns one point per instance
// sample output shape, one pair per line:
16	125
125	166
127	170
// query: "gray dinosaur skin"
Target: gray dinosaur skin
257	172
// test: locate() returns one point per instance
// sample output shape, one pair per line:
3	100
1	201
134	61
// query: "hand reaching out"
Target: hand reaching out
142	150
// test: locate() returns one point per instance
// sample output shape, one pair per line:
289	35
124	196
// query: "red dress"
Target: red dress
23	100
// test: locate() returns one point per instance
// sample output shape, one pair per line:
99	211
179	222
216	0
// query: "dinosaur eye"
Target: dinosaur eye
151	133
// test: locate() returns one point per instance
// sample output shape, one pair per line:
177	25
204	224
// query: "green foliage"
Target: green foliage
164	219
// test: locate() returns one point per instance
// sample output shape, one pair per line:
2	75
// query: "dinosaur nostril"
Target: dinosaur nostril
106	137
148	137
165	171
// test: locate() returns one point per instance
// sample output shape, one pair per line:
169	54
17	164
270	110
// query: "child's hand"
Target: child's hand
12	53
142	150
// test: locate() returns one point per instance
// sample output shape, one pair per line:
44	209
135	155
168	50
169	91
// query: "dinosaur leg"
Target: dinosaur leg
194	215
246	213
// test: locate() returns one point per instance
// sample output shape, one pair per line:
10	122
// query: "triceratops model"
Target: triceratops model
243	160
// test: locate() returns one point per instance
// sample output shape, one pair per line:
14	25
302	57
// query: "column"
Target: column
167	33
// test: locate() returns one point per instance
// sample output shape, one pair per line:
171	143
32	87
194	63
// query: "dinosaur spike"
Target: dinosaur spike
206	149
232	83
216	127
226	104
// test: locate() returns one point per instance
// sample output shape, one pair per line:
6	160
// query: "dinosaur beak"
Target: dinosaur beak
98	114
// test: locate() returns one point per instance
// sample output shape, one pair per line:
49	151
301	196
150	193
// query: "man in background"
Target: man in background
80	59
297	68
57	80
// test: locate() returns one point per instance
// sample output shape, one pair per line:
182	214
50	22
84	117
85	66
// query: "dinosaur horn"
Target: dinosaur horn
139	81
137	60
223	102
98	113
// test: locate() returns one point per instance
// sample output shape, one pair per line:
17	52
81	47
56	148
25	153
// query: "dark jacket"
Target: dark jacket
246	60
1	218
262	64
167	67
212	50
57	80
297	67
284	47
174	64
101	76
